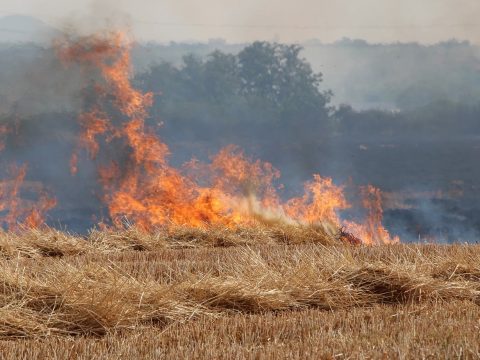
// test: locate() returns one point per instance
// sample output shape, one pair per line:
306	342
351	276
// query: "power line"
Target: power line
305	27
293	26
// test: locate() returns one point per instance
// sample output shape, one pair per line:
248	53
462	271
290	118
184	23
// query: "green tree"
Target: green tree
221	77
277	73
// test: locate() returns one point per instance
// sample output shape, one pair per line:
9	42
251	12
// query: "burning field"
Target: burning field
211	258
137	186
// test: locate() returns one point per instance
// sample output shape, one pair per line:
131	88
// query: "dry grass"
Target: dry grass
49	242
422	331
187	293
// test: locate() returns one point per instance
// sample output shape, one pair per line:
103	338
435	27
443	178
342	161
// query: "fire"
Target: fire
16	211
322	201
4	130
372	230
143	188
22	204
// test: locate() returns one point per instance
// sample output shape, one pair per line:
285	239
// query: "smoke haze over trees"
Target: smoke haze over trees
403	117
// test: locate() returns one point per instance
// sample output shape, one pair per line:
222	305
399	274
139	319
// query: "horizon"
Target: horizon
374	21
311	41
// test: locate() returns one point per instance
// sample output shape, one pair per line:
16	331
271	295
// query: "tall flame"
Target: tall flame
371	231
230	190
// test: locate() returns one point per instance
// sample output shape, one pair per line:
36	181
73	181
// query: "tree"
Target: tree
277	73
221	77
266	91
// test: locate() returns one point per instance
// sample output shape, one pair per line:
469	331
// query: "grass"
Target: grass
253	292
426	331
54	243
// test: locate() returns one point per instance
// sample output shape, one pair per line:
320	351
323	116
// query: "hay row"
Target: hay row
57	297
49	242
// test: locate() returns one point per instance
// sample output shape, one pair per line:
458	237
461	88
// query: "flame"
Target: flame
16	211
371	231
4	130
322	201
93	124
143	188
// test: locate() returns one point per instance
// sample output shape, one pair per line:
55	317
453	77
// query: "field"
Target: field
275	292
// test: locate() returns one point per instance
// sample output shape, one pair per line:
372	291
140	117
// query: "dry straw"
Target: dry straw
81	287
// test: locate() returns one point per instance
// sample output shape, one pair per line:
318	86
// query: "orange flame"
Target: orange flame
322	201
4	130
372	230
146	190
17	211
93	123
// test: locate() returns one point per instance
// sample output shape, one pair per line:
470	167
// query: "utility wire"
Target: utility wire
286	26
302	27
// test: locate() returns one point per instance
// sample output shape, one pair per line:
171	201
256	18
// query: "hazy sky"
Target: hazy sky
243	20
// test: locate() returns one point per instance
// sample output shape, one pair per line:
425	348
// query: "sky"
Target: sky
425	21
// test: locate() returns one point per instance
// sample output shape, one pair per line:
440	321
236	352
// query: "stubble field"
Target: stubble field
248	293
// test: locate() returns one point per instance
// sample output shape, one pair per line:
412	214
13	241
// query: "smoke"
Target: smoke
427	21
34	82
46	97
98	16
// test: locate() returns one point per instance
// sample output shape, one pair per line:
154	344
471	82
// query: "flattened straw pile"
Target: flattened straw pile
93	294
